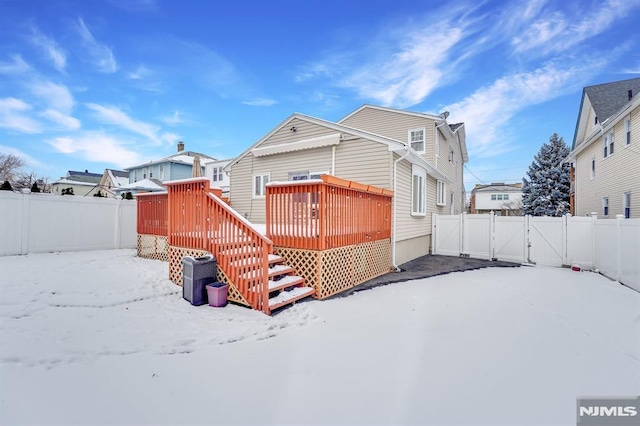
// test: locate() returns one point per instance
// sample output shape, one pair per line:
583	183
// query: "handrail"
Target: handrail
241	251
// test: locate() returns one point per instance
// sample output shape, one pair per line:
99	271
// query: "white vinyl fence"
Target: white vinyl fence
36	223
610	245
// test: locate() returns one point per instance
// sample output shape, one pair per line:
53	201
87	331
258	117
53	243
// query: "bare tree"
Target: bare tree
26	180
10	166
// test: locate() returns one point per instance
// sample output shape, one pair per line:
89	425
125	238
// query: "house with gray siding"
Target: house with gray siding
418	156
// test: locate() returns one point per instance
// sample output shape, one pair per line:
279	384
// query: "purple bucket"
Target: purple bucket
217	293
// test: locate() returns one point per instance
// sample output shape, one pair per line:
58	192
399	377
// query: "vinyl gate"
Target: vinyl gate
611	245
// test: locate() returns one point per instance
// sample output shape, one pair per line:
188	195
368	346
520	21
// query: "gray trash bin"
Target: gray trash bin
197	272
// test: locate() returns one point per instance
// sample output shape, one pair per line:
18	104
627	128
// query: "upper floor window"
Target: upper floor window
161	171
499	197
627	129
259	185
451	156
605	206
608	144
626	204
593	167
135	175
416	139
217	174
418	190
440	194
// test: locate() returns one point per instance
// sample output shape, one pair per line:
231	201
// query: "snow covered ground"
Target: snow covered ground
104	338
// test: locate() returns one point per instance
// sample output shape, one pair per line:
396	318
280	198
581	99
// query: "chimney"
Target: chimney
630	94
180	146
86	170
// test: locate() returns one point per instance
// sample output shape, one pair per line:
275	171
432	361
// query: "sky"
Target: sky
115	83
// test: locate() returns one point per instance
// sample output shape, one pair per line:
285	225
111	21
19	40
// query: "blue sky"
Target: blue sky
114	83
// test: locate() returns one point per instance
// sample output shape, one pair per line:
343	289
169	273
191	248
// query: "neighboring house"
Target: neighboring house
82	183
173	167
214	170
419	156
144	185
605	156
112	180
500	198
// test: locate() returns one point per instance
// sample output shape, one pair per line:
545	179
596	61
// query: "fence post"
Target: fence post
565	233
118	231
492	236
26	220
434	218
594	217
527	240
619	219
463	232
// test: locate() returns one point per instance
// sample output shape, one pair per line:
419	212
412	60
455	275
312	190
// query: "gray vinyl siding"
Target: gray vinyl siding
614	175
356	159
454	172
304	130
394	125
408	226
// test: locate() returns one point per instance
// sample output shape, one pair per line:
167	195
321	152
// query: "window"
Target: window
144	173
505	196
135	175
161	171
608	144
217	174
494	197
627	129
259	185
605	206
451	158
593	167
626	204
418	190
416	139
452	201
442	187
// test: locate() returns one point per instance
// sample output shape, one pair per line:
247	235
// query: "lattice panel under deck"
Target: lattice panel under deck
336	270
304	262
175	261
153	247
233	294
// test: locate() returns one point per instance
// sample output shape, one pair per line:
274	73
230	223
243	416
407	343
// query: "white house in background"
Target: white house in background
214	170
501	198
174	167
144	185
81	183
112	180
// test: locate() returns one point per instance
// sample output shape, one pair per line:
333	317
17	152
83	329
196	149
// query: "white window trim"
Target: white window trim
161	166
605	205
441	190
424	138
627	130
263	183
417	171
626	204
592	168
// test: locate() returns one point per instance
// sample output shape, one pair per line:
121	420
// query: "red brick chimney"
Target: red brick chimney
180	146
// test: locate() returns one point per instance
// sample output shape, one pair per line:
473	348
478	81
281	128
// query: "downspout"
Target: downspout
395	198
333	160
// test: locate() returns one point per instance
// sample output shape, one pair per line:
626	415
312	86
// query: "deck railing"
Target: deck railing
327	213
200	219
153	213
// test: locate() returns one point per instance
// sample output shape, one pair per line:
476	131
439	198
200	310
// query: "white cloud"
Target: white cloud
114	115
16	67
101	54
56	54
97	147
260	102
12	116
66	121
140	73
557	31
488	110
57	96
173	120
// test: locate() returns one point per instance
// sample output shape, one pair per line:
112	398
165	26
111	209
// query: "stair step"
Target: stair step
251	261
286	297
273	272
288	281
244	250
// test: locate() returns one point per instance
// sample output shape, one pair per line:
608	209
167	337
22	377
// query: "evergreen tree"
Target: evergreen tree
34	187
546	191
6	186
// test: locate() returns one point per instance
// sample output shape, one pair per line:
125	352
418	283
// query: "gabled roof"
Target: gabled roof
498	187
392	144
400	111
608	98
85	176
608	101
